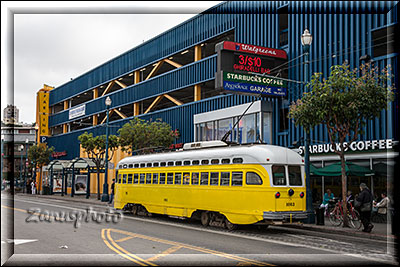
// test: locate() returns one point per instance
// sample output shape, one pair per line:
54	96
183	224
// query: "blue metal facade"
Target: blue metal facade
341	31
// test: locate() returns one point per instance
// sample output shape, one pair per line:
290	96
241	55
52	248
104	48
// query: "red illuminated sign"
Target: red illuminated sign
249	63
254	49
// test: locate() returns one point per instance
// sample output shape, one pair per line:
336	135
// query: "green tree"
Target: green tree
95	147
139	134
343	102
39	156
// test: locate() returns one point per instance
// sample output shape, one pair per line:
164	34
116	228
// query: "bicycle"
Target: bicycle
336	215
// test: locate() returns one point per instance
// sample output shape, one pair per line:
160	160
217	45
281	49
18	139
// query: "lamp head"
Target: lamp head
306	38
108	101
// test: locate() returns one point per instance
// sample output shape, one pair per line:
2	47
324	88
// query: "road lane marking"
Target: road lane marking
126	252
124	239
117	251
362	256
165	253
204	250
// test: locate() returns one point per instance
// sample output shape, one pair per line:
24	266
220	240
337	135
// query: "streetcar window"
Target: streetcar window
186	162
142	176
149	164
120	166
178	163
214	178
295	175
186	178
195	178
124	179
130	166
205	162
148	178
178	177
136	178
204	178
129	178
142	165
155	178
195	162
119	178
225	161
137	165
225	177
278	175
155	164
163	163
162	178
170	178
170	163
253	178
237	178
237	160
215	161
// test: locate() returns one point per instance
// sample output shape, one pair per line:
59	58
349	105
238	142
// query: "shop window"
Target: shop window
283	120
383	41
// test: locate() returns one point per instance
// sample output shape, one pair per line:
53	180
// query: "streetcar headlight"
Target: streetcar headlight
302	194
277	195
290	192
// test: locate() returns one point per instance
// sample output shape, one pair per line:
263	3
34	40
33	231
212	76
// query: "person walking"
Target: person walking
364	205
112	192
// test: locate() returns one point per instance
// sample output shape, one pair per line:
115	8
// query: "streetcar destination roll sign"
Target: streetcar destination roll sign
240	69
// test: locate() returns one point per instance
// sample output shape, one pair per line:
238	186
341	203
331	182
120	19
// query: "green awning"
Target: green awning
336	170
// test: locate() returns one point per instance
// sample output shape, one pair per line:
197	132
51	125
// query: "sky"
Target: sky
52	42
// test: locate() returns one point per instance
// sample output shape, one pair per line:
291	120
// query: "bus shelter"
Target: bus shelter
73	174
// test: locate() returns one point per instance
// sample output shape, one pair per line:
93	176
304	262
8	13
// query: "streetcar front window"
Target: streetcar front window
124	179
295	175
119	178
278	174
129	178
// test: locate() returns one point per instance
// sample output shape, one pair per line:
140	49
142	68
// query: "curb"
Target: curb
337	230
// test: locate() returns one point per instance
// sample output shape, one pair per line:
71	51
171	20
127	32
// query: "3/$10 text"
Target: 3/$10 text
76	217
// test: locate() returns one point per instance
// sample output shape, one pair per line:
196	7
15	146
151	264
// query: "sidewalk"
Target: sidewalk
381	231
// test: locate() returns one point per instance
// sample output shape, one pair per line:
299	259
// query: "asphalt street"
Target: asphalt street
58	232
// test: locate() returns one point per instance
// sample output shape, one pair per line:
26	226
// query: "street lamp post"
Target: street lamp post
306	40
20	170
26	161
105	196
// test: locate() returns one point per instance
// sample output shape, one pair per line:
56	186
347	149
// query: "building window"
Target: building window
383	41
283	26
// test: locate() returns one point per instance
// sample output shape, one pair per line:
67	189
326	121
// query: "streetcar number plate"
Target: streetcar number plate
290	204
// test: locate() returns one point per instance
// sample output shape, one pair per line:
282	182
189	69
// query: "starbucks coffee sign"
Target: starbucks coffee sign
354	146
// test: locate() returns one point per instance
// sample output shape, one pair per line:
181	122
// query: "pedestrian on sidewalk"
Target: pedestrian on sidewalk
33	187
28	186
364	204
112	192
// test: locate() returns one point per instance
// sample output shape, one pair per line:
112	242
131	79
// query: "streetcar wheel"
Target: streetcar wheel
229	225
205	218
